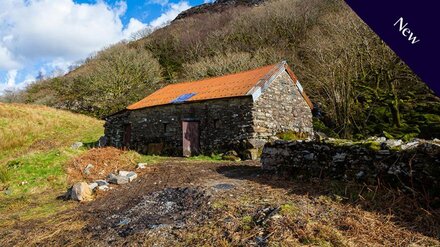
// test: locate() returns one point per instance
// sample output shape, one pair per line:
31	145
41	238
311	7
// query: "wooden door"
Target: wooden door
127	135
191	140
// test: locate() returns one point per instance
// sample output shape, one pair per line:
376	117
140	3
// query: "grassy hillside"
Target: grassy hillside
34	147
25	128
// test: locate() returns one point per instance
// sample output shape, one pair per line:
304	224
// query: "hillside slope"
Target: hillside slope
27	128
34	148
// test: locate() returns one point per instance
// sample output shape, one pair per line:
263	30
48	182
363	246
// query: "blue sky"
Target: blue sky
43	36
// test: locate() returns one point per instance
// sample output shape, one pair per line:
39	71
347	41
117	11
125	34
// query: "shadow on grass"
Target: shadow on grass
406	210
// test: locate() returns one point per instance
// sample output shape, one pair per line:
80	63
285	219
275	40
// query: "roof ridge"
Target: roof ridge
220	76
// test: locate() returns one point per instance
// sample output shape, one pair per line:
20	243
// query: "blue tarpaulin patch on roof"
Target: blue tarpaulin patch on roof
182	98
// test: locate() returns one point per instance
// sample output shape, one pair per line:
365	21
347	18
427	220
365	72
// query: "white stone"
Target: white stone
123	173
92	186
131	176
103	187
141	165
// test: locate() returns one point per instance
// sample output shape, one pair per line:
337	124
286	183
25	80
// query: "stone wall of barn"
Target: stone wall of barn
114	128
224	125
280	108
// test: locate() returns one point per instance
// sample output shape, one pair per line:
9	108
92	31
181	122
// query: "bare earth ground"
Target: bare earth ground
192	203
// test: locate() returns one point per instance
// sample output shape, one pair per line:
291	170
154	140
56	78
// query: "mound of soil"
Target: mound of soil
167	208
103	160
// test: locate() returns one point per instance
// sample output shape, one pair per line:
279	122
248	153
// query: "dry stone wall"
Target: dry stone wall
417	168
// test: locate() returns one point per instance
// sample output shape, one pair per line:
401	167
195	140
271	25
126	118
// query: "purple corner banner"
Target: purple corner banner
411	28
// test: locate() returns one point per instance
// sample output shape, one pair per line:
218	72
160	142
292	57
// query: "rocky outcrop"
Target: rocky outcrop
217	6
416	168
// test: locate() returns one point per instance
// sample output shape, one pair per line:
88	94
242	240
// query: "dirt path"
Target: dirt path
183	203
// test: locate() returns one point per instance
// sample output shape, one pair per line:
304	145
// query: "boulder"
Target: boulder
77	145
81	192
117	179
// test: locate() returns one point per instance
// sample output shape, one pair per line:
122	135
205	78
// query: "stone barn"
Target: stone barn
238	112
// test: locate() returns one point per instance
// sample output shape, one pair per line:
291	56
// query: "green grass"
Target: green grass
289	209
292	136
35	180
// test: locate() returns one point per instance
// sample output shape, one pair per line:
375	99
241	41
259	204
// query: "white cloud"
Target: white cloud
133	26
6	60
170	14
121	8
56	33
49	29
160	2
10	78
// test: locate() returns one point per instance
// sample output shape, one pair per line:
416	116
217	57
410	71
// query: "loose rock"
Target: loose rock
123	173
117	179
101	182
103	187
141	165
77	145
81	192
93	186
131	176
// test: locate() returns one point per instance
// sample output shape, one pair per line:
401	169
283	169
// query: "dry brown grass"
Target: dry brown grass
104	160
25	128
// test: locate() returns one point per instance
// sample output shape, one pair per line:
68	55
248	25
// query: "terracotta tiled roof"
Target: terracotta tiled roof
227	86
